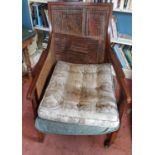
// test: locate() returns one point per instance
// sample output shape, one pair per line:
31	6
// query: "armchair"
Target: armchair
72	91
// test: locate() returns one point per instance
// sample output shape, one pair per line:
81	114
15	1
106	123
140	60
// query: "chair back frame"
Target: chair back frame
80	31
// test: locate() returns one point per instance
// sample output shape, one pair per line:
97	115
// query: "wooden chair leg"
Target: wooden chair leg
112	136
40	137
110	139
129	115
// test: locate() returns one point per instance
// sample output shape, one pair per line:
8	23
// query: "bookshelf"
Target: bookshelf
37	27
122	13
122	33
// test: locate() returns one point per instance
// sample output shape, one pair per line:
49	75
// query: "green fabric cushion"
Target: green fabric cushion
53	127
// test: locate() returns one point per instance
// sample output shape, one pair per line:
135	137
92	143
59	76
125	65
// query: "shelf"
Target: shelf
121	41
123	11
41	28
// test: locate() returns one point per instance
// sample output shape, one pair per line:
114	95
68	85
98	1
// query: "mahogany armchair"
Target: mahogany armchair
72	91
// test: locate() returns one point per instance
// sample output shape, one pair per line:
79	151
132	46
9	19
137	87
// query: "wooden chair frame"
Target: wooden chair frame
47	63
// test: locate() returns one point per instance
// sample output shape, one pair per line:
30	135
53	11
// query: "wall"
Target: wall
124	22
25	15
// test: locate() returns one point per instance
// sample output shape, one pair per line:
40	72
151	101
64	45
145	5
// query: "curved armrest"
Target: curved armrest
42	71
120	76
38	69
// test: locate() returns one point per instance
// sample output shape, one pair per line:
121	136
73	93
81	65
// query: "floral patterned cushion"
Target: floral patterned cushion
81	94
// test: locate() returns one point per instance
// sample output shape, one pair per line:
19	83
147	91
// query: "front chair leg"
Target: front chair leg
110	139
40	136
112	136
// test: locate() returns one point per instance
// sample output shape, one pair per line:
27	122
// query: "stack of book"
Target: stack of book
114	32
39	15
122	4
124	55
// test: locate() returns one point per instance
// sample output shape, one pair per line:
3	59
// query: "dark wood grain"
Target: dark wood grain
80	31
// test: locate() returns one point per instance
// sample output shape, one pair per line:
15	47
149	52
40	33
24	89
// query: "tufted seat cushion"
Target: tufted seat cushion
81	94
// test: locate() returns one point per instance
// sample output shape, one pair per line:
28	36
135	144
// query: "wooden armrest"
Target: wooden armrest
38	68
120	76
42	71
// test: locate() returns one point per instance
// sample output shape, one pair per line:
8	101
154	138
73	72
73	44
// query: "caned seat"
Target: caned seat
81	94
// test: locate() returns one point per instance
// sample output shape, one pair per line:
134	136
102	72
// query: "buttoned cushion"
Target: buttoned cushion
81	94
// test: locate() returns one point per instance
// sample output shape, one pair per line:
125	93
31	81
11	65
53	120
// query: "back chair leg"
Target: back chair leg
110	139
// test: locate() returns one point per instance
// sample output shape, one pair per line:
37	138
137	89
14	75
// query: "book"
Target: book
115	4
37	14
114	27
34	15
108	1
124	57
95	1
45	22
128	5
130	50
40	15
116	50
122	4
125	3
128	55
46	13
88	0
111	30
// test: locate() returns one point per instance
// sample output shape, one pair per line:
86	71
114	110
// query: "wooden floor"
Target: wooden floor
71	145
